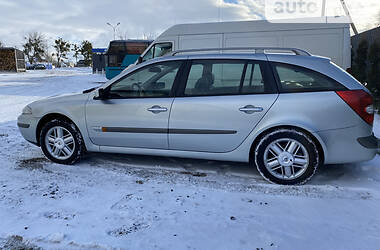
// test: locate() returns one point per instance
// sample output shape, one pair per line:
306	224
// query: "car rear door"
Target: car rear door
220	103
136	112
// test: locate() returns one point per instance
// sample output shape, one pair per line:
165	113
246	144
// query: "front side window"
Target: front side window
148	55
157	50
151	81
161	49
298	79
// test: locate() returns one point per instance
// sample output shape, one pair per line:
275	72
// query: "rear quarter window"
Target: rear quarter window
292	78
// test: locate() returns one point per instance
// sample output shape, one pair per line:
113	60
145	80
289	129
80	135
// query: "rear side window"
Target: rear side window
225	77
294	78
207	77
253	80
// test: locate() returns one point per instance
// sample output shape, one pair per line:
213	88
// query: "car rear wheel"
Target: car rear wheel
287	157
61	142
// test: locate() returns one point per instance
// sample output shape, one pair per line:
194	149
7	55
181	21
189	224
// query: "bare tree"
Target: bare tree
34	47
122	35
1	44
374	68
62	47
149	36
49	56
359	64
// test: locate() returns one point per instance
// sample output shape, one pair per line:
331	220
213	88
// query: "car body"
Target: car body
166	107
37	66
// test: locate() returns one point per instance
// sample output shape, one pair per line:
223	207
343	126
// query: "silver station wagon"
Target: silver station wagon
282	110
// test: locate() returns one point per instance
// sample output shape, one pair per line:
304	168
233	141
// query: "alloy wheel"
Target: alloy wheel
60	143
286	159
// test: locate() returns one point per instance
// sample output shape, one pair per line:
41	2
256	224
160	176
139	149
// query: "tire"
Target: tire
287	157
61	142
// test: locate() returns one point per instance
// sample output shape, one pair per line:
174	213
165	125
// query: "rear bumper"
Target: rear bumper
348	145
369	142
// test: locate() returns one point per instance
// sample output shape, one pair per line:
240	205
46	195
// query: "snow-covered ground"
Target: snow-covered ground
139	202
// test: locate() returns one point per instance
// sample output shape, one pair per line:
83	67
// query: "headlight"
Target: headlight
27	110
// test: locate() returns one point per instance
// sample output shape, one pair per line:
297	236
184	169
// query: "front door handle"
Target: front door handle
250	109
157	109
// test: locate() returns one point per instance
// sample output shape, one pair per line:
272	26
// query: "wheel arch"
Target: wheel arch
50	117
318	141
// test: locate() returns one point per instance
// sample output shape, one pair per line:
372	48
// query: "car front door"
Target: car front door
136	108
221	103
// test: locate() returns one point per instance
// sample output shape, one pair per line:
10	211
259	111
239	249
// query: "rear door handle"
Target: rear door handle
250	109
157	109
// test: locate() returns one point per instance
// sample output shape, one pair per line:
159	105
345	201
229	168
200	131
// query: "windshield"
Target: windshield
118	50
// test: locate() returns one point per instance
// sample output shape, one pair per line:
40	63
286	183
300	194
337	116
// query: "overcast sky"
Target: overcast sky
75	20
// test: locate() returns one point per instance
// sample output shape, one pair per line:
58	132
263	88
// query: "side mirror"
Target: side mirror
101	94
139	60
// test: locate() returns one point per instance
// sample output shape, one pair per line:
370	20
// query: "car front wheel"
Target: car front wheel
61	142
287	157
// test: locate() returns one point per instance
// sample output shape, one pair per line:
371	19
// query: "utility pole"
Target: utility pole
114	29
323	8
219	10
348	14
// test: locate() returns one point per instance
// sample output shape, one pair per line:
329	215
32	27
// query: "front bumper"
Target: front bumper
27	124
369	142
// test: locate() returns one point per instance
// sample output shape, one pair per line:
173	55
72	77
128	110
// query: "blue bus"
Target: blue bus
121	53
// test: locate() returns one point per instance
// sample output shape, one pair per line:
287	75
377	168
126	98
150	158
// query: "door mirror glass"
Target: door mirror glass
101	94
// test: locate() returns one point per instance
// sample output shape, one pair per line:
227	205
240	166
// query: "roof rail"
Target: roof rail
298	52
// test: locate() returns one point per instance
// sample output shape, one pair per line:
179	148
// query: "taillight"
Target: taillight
361	102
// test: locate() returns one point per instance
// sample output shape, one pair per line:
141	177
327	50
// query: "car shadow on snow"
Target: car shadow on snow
229	176
330	181
184	166
354	174
334	175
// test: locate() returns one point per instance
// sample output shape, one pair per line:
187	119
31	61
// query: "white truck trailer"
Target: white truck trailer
328	36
